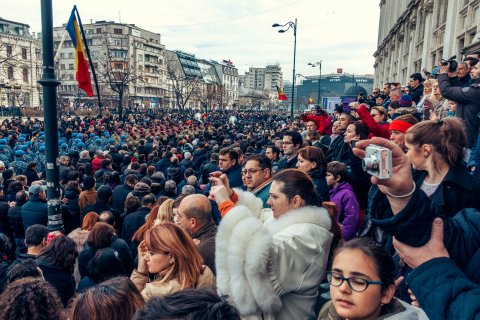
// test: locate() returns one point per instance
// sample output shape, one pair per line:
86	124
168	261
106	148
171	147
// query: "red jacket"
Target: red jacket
96	164
376	129
319	120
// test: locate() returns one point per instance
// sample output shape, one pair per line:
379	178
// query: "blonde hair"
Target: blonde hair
186	264
165	212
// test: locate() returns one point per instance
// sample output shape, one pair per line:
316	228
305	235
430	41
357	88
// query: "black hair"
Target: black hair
295	183
190	304
35	234
60	252
296	138
383	260
104	265
263	161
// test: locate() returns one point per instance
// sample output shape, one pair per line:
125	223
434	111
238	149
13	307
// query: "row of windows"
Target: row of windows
10	73
9	50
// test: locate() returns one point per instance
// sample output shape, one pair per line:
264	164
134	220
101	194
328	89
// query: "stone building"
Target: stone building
20	65
263	78
124	56
416	34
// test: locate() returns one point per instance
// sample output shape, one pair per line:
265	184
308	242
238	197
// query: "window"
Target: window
98	30
24	53
25	75
62	55
10	73
62	67
9	51
118	66
70	66
70	55
70	76
117	31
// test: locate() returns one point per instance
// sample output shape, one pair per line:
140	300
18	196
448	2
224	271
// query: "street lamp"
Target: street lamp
319	64
288	26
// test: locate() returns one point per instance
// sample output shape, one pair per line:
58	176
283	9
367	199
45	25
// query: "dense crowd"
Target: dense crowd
231	215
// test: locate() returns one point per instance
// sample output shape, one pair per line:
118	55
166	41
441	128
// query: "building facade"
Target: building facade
125	57
20	65
266	78
416	34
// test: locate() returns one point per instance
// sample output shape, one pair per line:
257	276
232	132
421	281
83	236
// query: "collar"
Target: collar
263	185
209	227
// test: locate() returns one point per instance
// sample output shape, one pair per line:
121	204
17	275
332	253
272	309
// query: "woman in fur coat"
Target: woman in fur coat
270	262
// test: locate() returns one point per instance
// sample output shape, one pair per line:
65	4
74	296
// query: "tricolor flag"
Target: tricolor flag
281	95
81	61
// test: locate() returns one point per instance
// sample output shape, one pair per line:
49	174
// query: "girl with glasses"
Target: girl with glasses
362	285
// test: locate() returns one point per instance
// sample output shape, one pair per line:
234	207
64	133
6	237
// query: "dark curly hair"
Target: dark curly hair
30	299
190	304
117	298
61	252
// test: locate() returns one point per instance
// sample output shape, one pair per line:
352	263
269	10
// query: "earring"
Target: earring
171	261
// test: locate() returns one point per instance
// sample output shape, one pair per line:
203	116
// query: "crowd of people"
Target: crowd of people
234	215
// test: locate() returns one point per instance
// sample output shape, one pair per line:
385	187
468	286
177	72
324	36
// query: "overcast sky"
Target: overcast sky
341	33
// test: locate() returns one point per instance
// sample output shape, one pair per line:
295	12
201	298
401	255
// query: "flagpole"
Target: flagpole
89	60
49	84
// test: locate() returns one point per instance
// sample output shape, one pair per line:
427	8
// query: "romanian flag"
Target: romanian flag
81	62
281	95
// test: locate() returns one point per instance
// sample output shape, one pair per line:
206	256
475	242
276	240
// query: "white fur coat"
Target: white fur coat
268	266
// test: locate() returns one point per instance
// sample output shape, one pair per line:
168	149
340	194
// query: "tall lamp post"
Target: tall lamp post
318	64
290	25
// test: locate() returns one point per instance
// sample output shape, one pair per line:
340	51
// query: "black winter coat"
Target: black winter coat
458	190
62	280
71	211
16	222
34	211
119	195
32	176
321	187
133	222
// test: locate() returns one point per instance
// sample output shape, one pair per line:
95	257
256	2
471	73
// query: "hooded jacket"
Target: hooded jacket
271	268
348	208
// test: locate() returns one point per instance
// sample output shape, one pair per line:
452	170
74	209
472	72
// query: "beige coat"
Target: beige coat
272	268
156	289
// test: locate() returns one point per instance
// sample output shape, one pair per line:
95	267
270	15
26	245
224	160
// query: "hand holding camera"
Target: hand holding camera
393	178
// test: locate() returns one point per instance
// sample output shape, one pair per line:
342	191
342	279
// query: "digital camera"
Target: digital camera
453	64
378	161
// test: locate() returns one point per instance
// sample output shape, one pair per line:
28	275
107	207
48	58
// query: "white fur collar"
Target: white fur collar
313	215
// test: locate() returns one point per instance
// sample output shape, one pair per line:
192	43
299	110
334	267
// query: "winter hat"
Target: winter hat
142	187
405	101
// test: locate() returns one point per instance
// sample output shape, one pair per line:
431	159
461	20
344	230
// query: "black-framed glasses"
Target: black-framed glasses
357	284
250	171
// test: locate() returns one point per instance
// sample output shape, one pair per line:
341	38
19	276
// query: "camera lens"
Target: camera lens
370	164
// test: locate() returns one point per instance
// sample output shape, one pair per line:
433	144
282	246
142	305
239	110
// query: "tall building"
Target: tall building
20	65
125	57
263	78
199	83
416	34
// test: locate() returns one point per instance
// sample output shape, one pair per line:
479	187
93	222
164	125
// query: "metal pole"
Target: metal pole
294	56
319	84
50	83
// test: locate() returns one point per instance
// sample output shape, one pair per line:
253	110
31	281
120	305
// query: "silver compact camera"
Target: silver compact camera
378	161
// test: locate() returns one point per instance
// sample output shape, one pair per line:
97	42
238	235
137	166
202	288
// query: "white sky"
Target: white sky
341	33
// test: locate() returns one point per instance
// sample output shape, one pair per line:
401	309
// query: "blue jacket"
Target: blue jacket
444	291
413	225
34	211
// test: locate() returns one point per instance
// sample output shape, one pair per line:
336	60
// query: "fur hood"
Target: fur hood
243	247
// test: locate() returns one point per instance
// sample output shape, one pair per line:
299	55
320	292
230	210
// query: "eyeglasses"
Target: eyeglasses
355	283
250	171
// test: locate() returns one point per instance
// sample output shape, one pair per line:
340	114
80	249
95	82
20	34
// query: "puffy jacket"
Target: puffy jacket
34	211
279	262
348	208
